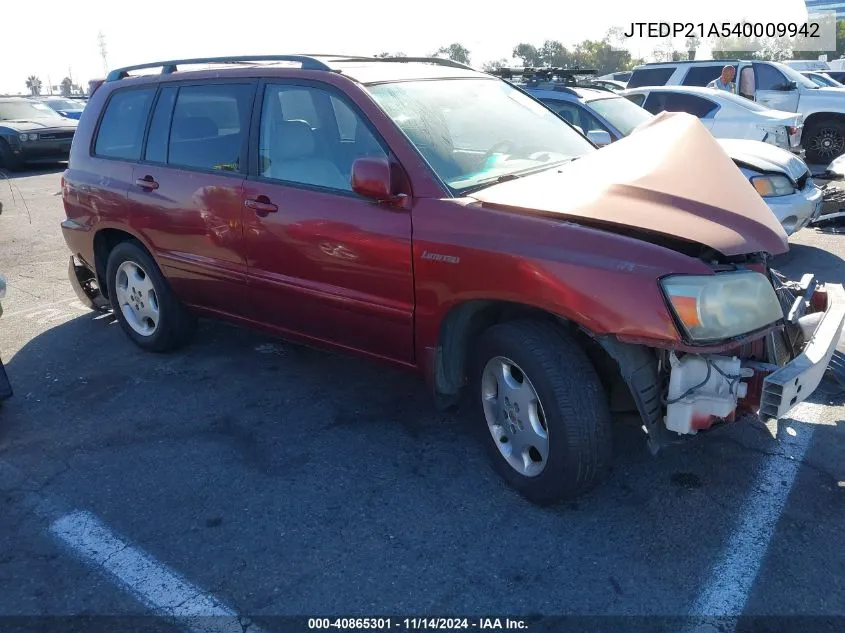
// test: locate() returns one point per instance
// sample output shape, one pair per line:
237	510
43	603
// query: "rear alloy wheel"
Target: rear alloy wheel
825	141
143	303
546	422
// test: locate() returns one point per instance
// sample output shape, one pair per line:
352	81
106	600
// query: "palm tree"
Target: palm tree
33	83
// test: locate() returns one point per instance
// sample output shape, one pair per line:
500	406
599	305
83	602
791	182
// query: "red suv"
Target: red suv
434	217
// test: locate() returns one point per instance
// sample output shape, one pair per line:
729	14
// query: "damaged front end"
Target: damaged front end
685	390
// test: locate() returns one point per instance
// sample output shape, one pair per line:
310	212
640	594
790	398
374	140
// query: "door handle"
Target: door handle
147	182
261	205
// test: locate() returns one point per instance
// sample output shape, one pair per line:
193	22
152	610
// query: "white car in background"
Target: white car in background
726	115
779	176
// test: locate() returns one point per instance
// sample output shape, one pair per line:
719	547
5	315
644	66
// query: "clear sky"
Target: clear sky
50	38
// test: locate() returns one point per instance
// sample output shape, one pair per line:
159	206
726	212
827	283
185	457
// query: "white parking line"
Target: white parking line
733	577
152	583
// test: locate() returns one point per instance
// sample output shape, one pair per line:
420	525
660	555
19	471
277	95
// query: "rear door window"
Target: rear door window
121	132
701	75
209	126
678	102
650	77
637	98
575	114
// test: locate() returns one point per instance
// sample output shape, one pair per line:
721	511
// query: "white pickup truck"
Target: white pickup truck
774	85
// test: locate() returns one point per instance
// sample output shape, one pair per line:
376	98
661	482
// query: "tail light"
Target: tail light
792	130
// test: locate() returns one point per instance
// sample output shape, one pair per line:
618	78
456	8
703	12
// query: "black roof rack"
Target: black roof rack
308	62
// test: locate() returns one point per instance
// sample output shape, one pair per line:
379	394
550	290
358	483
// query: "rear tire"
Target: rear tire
571	409
7	159
143	303
824	141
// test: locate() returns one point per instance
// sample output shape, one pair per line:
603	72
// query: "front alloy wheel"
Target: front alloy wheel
515	416
542	411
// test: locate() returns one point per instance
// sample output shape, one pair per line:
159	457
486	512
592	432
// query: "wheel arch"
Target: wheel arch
464	323
105	240
816	117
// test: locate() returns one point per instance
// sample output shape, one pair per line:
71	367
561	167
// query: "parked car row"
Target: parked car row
770	84
781	177
440	219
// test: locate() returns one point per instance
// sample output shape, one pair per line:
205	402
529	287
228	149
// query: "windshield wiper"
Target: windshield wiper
490	183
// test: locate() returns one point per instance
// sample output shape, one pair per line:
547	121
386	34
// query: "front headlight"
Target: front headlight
30	137
724	305
772	186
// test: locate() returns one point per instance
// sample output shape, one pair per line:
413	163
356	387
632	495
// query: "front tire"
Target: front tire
8	159
542	411
824	141
143	303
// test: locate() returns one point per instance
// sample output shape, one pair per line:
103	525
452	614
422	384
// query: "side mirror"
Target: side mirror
579	128
373	178
599	137
788	86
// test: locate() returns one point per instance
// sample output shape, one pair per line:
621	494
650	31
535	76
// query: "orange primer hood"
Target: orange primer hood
670	177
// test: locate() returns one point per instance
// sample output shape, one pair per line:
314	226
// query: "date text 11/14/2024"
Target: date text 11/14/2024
418	624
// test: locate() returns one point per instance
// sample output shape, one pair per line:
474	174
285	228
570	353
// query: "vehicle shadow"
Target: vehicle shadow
332	450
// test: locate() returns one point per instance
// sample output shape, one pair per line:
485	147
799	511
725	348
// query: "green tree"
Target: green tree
386	54
494	65
553	53
66	87
528	54
599	54
456	52
33	84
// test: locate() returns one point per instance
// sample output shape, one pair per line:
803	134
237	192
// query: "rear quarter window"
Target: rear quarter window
121	131
650	77
701	75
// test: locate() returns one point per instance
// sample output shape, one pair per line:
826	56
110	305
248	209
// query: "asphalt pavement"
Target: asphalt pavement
245	475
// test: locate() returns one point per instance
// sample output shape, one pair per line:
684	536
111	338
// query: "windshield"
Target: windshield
621	113
10	110
794	75
64	104
474	132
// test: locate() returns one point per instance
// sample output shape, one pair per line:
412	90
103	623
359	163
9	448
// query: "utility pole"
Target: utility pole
101	41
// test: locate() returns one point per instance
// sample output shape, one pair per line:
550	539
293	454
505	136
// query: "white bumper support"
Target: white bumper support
798	379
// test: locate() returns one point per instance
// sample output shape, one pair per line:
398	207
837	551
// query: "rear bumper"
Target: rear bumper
84	284
797	380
